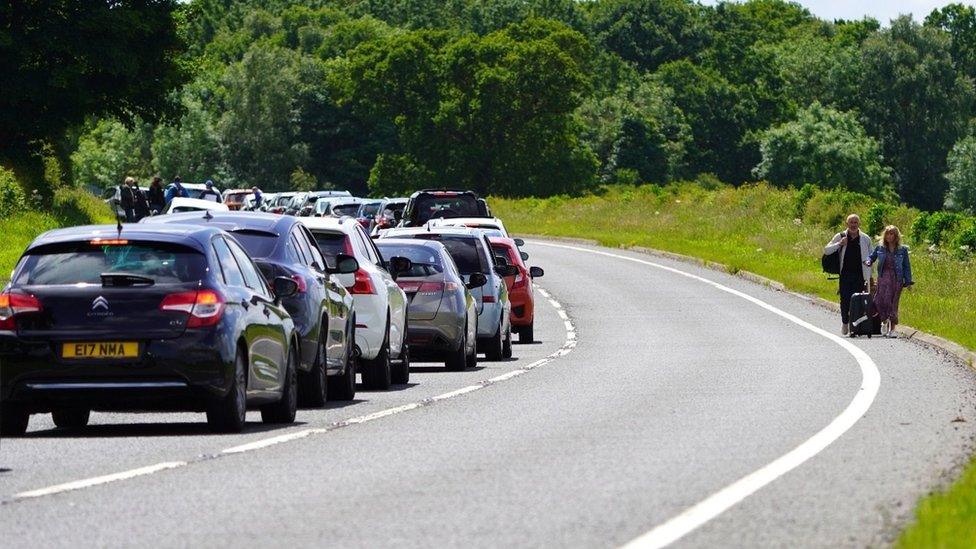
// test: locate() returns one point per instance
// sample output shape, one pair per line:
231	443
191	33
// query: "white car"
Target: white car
380	304
491	225
336	206
180	204
471	252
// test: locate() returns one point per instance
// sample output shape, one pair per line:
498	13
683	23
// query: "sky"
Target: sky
882	10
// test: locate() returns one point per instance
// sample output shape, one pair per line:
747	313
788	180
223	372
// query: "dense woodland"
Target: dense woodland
508	97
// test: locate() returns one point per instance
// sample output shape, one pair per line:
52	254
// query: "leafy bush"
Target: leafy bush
830	208
920	227
877	218
12	198
940	227
803	197
964	243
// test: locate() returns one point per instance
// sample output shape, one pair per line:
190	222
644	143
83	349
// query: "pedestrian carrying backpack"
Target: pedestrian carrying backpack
831	264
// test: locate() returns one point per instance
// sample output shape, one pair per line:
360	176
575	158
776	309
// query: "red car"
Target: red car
519	286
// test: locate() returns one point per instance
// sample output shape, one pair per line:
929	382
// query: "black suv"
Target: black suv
442	203
147	318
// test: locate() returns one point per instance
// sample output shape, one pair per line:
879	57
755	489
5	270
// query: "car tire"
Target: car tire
313	385
471	360
343	386
71	418
457	360
13	420
507	344
284	410
227	415
378	373
401	374
493	347
527	333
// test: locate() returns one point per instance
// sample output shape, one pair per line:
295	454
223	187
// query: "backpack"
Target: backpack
831	264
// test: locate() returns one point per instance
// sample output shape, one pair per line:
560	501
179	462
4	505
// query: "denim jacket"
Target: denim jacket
903	266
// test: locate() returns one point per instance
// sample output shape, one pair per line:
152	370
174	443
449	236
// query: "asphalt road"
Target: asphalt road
668	391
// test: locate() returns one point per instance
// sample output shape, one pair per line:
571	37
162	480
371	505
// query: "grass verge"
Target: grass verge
779	234
71	207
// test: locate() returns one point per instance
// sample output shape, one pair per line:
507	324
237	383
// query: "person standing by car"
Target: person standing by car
127	199
140	204
854	248
209	193
258	198
894	274
157	199
176	189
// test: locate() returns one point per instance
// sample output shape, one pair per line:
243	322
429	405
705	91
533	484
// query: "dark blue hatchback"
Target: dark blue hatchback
152	317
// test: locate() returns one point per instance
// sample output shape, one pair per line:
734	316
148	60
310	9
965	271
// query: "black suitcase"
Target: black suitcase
864	317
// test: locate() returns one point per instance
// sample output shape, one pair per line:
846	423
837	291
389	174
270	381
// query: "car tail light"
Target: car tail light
205	307
363	285
487	299
409	286
12	304
302	285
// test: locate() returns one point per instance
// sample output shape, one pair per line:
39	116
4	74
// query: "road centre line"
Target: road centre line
719	502
567	347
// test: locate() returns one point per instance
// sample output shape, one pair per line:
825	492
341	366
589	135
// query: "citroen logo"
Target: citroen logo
100	302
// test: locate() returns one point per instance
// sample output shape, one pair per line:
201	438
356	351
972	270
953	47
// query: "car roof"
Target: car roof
503	240
344	224
231	221
462	220
194	236
433	229
432	191
420	243
198	203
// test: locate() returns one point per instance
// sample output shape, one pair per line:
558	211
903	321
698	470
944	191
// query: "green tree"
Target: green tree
916	104
189	146
64	60
110	151
962	175
260	126
959	21
649	32
825	147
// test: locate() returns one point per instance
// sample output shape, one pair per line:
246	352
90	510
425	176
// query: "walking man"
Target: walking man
127	199
854	248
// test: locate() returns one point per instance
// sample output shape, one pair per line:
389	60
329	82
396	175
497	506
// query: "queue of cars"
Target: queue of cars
220	311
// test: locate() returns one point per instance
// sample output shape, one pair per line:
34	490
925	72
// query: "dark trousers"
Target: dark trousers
850	284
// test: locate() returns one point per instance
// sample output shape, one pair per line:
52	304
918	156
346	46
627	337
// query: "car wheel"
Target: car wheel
227	414
493	347
377	373
284	410
507	344
401	374
343	387
472	359
527	333
13	420
71	418
457	360
313	384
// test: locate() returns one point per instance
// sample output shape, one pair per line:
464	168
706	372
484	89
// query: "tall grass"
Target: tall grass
776	233
71	207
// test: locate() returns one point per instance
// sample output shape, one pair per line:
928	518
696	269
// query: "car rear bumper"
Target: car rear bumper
434	338
523	308
180	374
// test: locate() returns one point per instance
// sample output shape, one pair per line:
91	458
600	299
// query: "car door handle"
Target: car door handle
245	303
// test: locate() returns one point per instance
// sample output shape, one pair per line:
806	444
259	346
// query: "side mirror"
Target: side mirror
524	256
399	265
536	272
284	286
506	270
519	242
345	264
476	280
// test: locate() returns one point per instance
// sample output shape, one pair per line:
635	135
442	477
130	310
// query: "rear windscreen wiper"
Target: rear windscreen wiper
126	279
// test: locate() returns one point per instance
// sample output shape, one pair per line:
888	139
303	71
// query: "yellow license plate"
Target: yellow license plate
104	349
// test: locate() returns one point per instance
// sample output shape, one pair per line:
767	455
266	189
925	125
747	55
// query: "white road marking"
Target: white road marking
568	345
95	481
714	505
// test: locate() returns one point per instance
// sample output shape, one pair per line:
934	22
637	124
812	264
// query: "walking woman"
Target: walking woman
894	274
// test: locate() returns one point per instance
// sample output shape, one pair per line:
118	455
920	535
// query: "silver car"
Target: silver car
471	252
442	315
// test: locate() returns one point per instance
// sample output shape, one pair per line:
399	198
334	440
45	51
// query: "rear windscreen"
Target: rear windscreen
464	251
330	243
257	244
425	260
369	210
84	263
446	206
345	209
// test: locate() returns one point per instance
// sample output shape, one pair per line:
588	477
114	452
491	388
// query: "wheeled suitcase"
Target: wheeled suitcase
864	317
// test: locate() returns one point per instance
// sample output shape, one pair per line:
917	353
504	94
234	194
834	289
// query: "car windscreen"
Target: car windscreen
330	243
345	209
464	251
84	262
445	205
425	260
256	243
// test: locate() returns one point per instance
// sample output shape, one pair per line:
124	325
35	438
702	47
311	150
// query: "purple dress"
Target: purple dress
889	291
